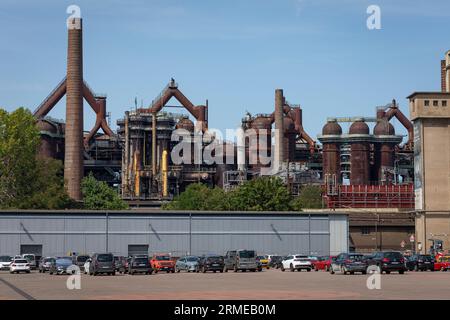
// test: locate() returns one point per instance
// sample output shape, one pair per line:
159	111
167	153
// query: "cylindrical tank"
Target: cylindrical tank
260	142
331	150
360	152
48	144
289	139
384	151
73	161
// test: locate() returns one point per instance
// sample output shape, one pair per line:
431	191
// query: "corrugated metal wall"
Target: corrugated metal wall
179	233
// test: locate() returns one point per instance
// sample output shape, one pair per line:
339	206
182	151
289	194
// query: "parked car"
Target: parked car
264	261
80	261
323	263
349	263
60	265
5	262
187	263
31	259
241	260
275	262
162	262
45	264
296	262
20	265
139	265
102	263
211	263
121	263
422	262
442	263
388	261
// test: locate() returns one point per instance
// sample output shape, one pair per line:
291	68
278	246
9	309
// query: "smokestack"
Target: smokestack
279	128
73	161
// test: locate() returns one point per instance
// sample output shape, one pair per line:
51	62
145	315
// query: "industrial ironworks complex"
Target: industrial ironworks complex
368	167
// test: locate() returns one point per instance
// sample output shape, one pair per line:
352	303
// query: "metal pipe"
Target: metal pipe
164	169
154	144
73	160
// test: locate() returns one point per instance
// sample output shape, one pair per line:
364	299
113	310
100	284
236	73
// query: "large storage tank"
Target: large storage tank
289	139
331	149
384	151
259	139
48	146
360	152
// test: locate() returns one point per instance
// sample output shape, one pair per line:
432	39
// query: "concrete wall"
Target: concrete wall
180	233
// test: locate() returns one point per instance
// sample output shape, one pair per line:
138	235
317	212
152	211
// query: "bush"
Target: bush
99	196
310	198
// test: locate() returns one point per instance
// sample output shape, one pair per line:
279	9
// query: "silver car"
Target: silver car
188	263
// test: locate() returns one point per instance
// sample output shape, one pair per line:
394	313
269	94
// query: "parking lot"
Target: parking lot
269	284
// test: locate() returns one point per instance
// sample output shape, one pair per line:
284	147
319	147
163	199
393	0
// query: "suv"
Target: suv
45	264
139	265
349	263
211	263
296	262
102	263
388	261
422	262
241	260
162	262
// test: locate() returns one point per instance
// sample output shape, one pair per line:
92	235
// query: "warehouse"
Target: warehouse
53	233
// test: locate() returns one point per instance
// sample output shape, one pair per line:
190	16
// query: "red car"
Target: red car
442	263
323	263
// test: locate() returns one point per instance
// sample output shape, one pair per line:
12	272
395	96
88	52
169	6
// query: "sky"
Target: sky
234	53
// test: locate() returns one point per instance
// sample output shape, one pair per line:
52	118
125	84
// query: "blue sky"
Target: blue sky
234	53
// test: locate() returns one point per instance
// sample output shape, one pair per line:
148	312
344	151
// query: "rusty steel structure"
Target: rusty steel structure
76	144
361	169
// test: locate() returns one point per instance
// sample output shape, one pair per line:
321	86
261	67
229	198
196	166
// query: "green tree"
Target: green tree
27	181
310	198
19	140
198	196
262	194
99	196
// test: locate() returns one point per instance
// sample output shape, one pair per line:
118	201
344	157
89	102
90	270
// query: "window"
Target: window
435	103
444	103
427	103
365	230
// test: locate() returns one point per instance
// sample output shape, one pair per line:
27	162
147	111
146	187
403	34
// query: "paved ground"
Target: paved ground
269	284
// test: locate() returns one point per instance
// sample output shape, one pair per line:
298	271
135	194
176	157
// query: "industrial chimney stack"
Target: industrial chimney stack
279	129
73	161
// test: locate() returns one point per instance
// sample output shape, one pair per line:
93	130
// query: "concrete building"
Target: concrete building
430	112
48	233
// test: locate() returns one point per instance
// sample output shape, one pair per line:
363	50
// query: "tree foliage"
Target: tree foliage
26	180
197	196
262	194
99	196
310	198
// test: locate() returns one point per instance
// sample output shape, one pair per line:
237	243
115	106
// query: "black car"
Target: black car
275	261
139	265
61	265
102	263
45	264
211	263
388	261
349	263
422	262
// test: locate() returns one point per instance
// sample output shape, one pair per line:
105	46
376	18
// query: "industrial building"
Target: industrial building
49	233
430	112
